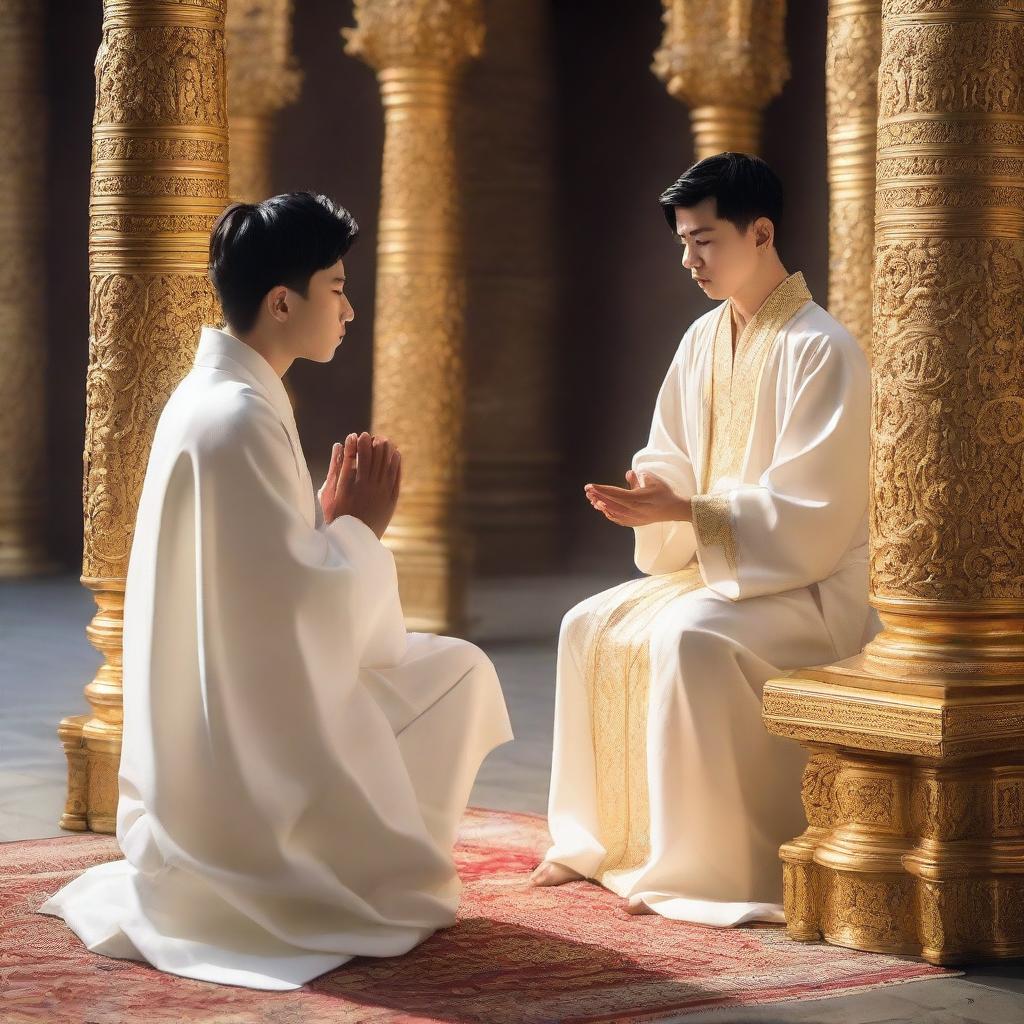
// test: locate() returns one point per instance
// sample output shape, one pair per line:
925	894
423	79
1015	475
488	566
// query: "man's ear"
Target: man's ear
277	303
764	233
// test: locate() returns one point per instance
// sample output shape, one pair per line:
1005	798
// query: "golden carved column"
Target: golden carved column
159	179
915	790
725	59
23	333
262	79
505	144
852	53
418	48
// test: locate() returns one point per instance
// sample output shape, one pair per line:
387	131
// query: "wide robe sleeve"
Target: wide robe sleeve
665	547
270	772
793	527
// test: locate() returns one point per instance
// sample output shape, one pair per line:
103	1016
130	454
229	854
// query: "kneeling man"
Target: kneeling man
749	506
294	764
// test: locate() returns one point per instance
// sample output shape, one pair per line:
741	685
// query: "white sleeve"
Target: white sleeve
333	590
665	547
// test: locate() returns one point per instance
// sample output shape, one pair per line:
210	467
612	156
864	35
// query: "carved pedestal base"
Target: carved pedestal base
76	803
92	743
93	750
915	805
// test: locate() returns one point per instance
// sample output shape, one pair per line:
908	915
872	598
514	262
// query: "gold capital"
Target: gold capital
262	79
438	34
725	59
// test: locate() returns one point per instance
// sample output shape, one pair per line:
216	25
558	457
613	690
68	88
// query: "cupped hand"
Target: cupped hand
648	499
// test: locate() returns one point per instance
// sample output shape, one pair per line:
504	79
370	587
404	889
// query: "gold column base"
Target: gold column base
76	803
432	570
511	504
93	750
914	792
22	547
725	129
25	562
92	743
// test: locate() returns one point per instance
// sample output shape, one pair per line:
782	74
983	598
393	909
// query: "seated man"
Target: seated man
294	764
750	510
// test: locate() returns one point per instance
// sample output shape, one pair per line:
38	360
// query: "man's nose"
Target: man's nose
349	315
689	260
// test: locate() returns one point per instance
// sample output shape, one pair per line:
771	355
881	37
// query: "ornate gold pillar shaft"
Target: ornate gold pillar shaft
159	180
505	144
725	59
915	792
852	53
262	79
417	48
22	275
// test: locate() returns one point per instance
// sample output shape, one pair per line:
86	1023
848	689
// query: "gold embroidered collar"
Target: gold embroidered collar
730	395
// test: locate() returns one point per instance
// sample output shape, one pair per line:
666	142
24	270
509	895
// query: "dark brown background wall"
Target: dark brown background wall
624	301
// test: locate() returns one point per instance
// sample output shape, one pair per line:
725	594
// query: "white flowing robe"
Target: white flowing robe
666	787
294	764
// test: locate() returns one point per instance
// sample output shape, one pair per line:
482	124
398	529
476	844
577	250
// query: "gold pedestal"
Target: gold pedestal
93	742
915	804
915	790
76	802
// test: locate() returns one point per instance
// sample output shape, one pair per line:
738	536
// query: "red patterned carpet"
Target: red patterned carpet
517	956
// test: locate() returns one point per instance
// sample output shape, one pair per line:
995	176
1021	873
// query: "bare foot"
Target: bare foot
635	906
550	873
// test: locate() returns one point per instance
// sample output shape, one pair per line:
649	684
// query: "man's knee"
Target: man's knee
691	656
472	660
574	628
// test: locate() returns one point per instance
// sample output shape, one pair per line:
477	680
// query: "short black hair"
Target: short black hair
744	188
283	240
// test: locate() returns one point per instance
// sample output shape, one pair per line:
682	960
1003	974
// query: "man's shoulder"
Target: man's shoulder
697	334
814	328
706	321
219	411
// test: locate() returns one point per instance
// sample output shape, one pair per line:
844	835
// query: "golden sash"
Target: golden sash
730	401
615	649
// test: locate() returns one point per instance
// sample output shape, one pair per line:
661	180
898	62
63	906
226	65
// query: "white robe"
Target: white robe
294	764
666	787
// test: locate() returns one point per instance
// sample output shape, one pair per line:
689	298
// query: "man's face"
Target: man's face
316	323
716	254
